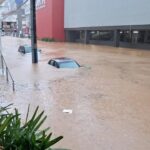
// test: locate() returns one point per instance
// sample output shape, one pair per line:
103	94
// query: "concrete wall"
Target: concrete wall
91	13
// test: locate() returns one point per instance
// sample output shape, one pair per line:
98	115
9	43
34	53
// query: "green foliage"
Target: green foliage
48	39
15	136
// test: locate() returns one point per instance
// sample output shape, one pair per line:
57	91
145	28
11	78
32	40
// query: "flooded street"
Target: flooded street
109	95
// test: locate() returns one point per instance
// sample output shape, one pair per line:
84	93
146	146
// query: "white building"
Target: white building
117	22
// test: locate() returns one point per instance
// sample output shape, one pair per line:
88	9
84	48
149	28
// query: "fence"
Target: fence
6	71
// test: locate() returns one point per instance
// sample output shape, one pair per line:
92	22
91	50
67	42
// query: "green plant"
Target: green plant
15	136
48	39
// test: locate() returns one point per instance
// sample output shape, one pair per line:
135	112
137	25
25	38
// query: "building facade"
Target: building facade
118	23
8	23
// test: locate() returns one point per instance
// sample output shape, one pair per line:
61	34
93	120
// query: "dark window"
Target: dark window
94	35
141	35
144	37
148	37
22	49
101	35
55	64
106	35
125	36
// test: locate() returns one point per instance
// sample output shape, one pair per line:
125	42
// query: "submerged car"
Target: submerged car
63	62
26	49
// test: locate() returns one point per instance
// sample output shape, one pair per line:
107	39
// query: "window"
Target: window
94	35
101	35
106	35
69	64
52	62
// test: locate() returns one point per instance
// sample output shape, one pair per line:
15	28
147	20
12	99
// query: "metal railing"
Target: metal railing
5	69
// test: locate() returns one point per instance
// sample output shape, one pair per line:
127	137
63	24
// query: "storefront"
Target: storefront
8	27
124	24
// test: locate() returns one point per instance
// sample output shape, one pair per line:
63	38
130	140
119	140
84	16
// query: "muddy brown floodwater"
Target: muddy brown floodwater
109	95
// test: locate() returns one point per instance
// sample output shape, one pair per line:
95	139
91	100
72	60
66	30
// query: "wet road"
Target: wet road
109	96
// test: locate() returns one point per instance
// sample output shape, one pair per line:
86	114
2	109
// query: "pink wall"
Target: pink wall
58	19
44	19
50	20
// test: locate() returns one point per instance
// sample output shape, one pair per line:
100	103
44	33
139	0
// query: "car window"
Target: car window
22	49
52	62
55	64
28	49
69	64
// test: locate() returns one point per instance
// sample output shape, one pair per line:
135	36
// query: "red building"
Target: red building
50	19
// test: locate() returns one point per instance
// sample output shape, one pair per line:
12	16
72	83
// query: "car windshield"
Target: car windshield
69	64
28	49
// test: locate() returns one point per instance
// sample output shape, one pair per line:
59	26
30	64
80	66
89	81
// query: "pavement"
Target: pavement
107	100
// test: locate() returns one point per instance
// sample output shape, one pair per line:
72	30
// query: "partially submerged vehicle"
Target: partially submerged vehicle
63	62
26	49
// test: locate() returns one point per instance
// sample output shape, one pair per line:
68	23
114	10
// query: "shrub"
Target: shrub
48	39
15	136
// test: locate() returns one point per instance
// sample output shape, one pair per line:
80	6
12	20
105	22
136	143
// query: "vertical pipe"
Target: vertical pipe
116	38
13	84
33	31
86	37
2	64
0	41
7	74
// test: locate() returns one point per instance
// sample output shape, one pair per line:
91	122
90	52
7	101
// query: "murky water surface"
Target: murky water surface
109	96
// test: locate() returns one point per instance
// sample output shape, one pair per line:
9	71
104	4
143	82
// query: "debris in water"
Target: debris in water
69	111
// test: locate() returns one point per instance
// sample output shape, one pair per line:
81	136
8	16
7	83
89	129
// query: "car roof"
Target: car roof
62	59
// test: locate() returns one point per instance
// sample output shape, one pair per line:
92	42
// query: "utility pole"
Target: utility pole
33	31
